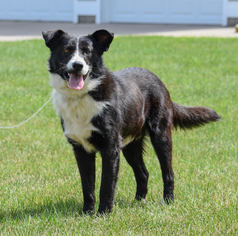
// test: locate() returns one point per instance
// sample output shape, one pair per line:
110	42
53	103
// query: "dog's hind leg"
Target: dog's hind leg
133	153
162	142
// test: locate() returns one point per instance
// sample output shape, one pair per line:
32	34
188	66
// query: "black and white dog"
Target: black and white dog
104	111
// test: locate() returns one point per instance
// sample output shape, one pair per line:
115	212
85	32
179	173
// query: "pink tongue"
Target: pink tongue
76	82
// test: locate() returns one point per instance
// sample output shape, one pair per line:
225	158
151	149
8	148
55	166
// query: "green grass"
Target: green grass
40	189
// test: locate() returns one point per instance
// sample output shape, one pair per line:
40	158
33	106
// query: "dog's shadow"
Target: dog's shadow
70	207
65	208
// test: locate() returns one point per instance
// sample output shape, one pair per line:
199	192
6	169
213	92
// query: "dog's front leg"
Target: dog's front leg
110	167
86	165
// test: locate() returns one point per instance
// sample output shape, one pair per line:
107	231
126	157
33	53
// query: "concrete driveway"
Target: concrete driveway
20	30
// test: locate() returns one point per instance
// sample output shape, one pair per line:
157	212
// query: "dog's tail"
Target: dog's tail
189	117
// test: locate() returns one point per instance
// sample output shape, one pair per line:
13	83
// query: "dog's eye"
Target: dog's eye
85	51
68	49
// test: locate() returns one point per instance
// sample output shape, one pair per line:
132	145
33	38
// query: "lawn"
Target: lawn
40	189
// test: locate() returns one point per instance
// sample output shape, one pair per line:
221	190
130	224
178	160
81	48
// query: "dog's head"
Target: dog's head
73	59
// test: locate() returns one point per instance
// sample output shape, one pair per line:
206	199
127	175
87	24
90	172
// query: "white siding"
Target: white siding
43	10
230	10
167	11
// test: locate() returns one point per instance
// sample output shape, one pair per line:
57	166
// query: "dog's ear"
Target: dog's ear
103	38
52	38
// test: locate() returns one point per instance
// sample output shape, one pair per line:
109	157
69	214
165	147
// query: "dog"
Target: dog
106	112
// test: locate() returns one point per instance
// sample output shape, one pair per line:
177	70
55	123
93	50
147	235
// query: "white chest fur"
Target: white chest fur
77	113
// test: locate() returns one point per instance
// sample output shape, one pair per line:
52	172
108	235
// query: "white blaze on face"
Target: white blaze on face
77	57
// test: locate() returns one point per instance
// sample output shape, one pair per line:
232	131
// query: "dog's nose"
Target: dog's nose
77	66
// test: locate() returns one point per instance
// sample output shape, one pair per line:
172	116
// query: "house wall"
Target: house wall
87	9
163	11
64	10
230	12
106	11
43	10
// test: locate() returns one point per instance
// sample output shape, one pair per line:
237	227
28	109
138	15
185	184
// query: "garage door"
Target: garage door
167	11
51	10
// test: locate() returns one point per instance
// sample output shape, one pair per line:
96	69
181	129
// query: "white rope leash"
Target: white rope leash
28	119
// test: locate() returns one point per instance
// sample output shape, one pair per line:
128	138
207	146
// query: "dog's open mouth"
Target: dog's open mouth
76	81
